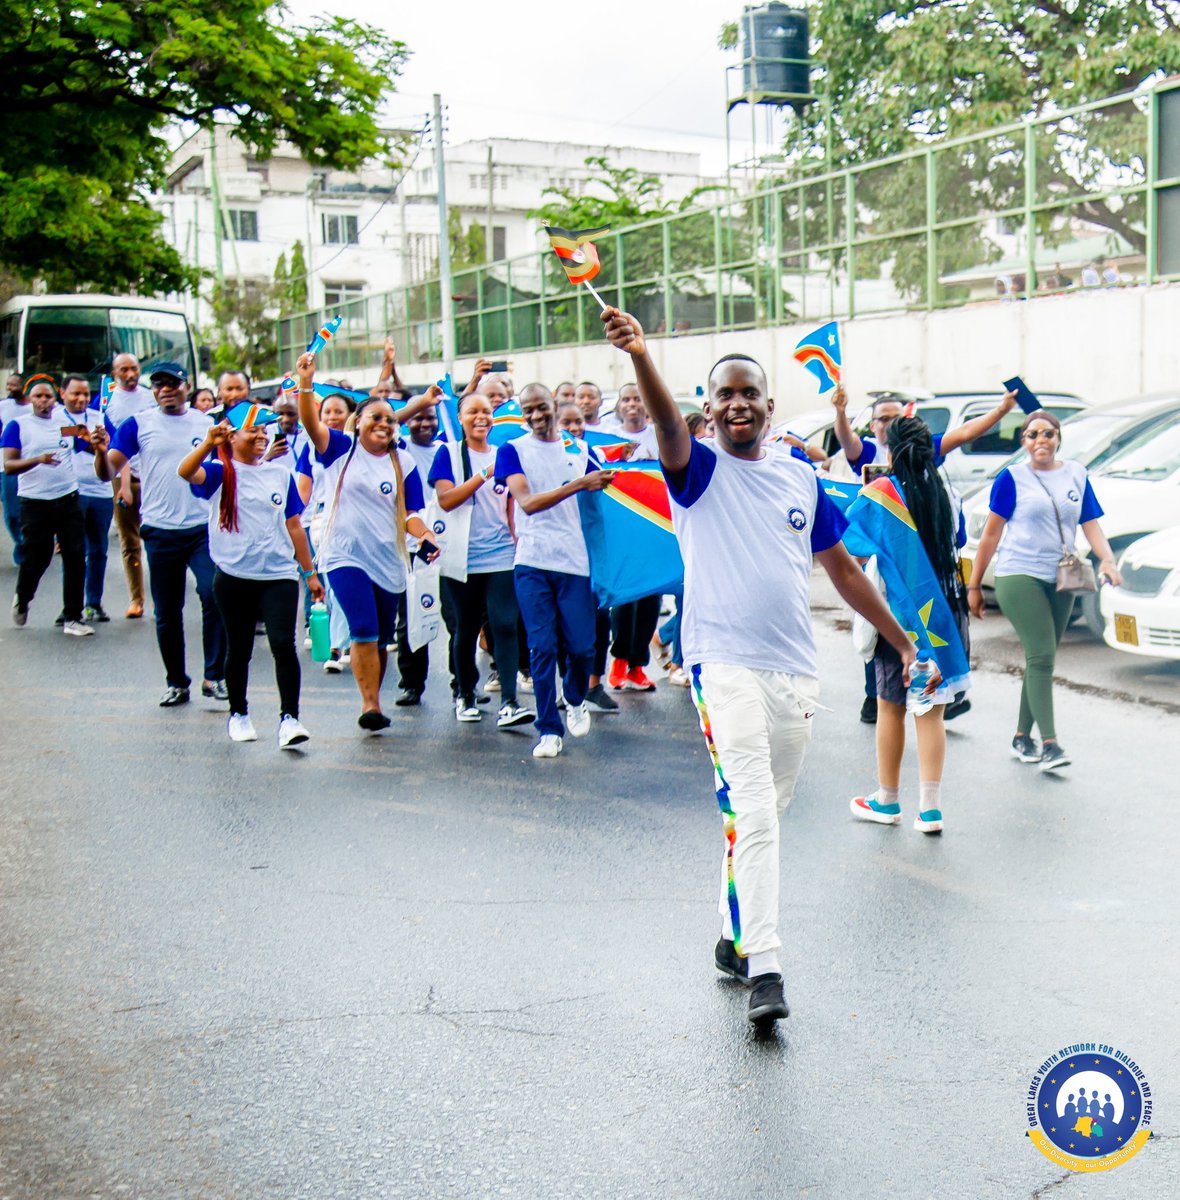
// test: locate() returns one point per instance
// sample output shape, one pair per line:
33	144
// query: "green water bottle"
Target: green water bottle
321	639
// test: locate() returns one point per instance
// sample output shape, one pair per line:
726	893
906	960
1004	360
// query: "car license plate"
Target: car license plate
966	566
1126	629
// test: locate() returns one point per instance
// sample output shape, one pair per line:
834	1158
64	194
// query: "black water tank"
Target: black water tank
773	31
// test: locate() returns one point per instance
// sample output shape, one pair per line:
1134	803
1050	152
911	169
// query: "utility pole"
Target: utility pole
491	205
218	216
444	242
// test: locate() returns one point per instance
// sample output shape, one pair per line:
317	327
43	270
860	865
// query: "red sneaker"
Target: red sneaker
637	681
618	674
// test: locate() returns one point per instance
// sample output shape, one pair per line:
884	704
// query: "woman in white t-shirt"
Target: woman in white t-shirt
462	479
259	548
374	496
1036	506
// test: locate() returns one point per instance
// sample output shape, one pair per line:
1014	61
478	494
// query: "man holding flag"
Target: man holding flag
749	520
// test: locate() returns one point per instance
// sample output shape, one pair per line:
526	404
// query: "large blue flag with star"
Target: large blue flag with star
880	523
819	352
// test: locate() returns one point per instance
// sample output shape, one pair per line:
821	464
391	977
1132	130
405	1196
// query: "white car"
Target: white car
1143	615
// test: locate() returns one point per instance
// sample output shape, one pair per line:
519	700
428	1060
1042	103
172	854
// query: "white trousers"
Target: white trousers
757	725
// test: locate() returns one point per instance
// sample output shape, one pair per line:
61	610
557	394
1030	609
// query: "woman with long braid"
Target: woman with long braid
374	496
914	473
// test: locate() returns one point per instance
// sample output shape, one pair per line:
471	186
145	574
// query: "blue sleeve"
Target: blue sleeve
110	427
1003	497
415	501
1091	509
939	457
11	438
338	446
688	486
294	499
802	456
94	403
441	467
214	473
125	439
868	454
829	524
507	462
303	462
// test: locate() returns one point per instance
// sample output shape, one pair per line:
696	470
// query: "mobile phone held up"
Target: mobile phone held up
1024	396
499	367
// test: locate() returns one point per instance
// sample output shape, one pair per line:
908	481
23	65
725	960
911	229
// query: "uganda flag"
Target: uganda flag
574	248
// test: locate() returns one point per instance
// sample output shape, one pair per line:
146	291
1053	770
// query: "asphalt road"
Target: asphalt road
425	965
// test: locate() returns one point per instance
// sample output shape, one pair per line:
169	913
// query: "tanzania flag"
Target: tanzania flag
819	352
573	247
507	423
628	529
880	523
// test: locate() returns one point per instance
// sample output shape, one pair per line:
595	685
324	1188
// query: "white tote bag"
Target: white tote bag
864	634
451	529
423	606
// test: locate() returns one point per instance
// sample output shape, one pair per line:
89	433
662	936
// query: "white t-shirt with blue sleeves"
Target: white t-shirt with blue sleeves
550	540
121	407
871	450
89	483
490	546
267	497
30	435
360	529
747	532
1031	544
162	440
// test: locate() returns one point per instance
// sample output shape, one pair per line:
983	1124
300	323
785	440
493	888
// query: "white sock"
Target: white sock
887	795
763	963
931	795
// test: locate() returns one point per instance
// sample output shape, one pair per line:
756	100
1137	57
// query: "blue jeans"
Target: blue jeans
670	630
97	512
171	554
549	599
8	486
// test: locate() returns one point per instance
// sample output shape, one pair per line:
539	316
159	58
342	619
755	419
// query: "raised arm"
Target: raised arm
672	436
428	399
388	367
848	438
978	426
192	466
309	410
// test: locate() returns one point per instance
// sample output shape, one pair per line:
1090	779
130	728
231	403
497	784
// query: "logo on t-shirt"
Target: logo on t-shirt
386	488
797	519
276	499
1073	495
500	489
197	441
427	600
439	526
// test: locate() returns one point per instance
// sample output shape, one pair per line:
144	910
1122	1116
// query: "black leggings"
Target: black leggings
41	522
242	602
633	626
493	593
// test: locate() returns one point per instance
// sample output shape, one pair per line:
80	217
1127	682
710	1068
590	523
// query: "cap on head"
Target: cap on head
166	372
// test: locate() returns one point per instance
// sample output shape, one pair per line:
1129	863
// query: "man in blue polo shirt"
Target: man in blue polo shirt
174	525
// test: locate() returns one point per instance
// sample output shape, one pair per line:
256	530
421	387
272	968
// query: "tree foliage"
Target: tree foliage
92	86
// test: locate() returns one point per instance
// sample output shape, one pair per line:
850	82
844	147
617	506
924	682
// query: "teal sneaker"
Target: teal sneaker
929	821
869	808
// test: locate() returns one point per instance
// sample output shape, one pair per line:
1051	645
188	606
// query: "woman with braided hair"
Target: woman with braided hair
914	473
374	495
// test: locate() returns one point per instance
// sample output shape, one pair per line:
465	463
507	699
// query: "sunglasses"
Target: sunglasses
1032	434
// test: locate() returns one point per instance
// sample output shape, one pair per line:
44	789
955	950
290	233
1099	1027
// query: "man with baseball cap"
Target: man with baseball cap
175	530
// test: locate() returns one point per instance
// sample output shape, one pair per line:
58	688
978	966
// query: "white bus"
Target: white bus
81	334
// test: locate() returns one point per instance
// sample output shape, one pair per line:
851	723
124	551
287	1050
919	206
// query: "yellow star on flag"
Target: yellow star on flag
935	640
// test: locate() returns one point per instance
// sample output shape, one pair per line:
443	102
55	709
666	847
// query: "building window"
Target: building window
340	229
499	243
241	226
336	295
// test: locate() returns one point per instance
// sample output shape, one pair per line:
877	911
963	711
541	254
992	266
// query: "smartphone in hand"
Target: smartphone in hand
1024	395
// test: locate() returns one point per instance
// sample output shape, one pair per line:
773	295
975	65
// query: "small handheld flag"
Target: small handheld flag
577	254
290	383
819	352
448	412
507	423
250	416
106	389
322	338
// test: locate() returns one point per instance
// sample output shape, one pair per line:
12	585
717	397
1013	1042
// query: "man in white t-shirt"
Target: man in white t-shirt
129	399
749	519
552	566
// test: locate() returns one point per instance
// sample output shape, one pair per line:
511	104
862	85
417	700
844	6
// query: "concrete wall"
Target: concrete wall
1103	345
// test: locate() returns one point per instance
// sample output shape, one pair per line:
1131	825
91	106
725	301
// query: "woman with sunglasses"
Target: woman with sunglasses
1028	501
374	496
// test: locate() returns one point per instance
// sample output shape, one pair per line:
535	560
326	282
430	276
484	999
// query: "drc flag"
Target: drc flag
507	423
628	529
819	352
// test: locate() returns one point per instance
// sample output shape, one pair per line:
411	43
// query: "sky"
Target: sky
648	74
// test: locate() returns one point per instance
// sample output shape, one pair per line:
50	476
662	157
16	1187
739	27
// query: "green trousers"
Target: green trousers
1039	613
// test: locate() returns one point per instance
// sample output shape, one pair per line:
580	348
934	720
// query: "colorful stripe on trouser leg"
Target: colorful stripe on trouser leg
727	813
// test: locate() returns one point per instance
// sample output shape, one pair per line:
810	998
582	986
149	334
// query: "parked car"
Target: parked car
1138	487
816	427
1143	615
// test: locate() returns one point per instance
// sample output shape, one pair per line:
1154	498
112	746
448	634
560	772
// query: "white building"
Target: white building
372	230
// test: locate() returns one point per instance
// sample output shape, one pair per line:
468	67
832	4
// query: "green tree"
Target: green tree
243	333
92	86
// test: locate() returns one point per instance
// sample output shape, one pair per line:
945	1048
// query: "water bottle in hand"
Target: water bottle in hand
916	701
321	640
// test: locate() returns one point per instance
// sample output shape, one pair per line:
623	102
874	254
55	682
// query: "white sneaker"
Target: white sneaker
77	629
291	733
577	719
307	642
492	683
333	665
548	746
241	728
465	711
524	683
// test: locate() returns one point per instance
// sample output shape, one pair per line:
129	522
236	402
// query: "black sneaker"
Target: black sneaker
868	711
730	962
408	698
173	696
767	1002
599	701
959	706
95	612
1025	749
215	691
60	619
372	720
1053	758
512	714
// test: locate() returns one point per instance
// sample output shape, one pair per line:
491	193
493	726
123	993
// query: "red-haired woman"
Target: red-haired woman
259	548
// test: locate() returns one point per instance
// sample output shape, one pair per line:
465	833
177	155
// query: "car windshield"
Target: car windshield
1153	455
